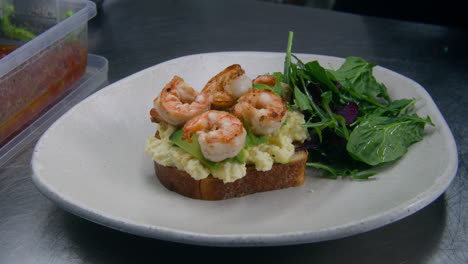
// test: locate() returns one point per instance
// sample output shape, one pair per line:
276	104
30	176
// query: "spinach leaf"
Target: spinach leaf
380	139
394	109
356	74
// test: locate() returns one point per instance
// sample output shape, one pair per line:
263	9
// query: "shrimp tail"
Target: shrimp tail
265	79
196	124
155	117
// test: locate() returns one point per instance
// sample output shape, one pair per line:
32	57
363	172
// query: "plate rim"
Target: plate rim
375	221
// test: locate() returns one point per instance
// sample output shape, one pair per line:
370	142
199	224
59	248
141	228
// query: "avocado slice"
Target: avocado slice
239	158
193	148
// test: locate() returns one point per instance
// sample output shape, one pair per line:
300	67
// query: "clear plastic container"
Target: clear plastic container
42	70
94	78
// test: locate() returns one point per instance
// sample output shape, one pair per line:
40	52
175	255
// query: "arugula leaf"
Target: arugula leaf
319	75
384	93
277	88
337	122
380	139
396	108
301	100
287	60
330	169
334	172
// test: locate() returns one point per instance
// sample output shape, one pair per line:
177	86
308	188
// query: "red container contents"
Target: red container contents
6	49
35	85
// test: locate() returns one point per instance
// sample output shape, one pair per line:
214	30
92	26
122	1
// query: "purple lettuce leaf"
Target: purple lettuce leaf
349	112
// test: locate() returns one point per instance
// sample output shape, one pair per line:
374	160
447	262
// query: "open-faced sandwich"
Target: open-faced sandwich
229	140
238	136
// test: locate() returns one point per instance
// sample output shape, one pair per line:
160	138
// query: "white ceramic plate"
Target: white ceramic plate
92	163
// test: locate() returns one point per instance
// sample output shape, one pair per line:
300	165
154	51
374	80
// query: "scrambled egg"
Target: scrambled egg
277	149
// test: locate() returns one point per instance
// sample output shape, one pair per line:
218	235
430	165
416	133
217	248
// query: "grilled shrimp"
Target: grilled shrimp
270	80
220	134
265	79
261	110
227	86
178	103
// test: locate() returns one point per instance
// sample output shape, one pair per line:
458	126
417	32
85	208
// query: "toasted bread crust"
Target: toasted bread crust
279	177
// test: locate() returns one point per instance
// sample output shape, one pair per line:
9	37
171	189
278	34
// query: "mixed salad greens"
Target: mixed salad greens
353	122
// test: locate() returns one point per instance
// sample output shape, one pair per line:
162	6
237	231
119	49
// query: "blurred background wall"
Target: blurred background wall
448	12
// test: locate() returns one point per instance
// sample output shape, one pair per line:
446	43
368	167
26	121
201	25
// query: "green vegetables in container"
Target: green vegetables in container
9	29
353	122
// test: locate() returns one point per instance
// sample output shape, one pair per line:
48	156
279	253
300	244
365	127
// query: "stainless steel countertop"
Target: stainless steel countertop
134	35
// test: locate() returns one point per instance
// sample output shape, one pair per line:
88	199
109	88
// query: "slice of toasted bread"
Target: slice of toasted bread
280	176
